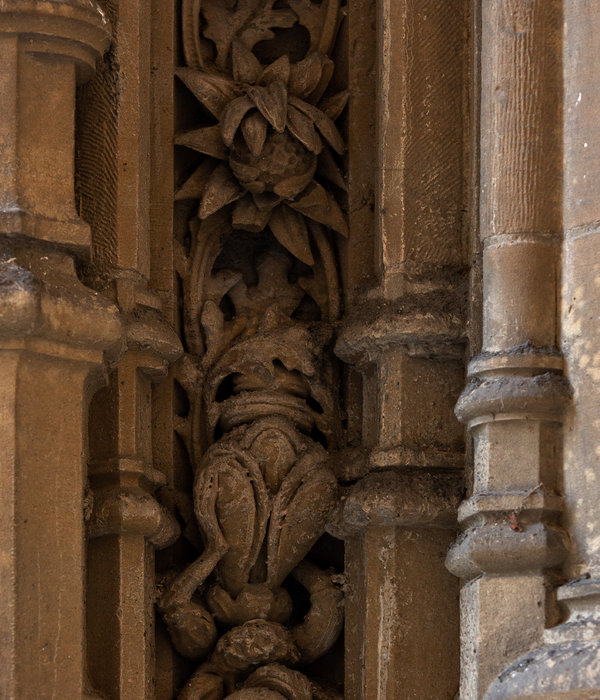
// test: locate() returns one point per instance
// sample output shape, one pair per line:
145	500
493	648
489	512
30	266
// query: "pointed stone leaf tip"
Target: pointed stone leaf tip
221	189
322	122
278	70
317	204
206	140
290	230
333	106
246	67
232	117
214	92
306	75
194	186
328	169
271	102
254	129
302	128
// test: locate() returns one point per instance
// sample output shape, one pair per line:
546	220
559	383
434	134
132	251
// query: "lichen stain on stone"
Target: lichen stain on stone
14	278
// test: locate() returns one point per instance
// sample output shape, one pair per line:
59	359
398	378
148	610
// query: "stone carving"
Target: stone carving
274	133
260	293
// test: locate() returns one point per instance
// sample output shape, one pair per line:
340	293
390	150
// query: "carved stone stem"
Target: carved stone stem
406	338
566	666
54	332
514	401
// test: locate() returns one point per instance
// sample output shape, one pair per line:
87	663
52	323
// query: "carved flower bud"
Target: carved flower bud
283	162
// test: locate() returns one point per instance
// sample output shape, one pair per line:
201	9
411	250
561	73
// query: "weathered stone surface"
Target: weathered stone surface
234	311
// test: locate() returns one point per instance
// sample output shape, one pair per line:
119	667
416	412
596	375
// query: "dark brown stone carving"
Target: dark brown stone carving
260	292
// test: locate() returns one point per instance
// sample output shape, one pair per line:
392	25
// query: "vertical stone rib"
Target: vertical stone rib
406	338
514	400
124	182
53	335
520	117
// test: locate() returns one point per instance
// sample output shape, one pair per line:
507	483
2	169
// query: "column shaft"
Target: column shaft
406	338
514	401
566	666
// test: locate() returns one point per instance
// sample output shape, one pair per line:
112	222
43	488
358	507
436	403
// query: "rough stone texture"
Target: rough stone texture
230	367
404	336
54	333
260	294
514	402
568	664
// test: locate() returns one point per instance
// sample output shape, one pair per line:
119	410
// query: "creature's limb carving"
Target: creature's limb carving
323	622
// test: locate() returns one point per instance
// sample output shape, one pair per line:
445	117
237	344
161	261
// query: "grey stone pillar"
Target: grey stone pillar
514	400
568	664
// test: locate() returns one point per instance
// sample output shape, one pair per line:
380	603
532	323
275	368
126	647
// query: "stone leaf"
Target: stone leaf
271	102
305	75
240	509
322	122
290	230
194	186
333	106
214	92
234	113
317	204
206	140
254	129
326	75
246	67
278	70
291	186
302	128
221	189
298	515
328	168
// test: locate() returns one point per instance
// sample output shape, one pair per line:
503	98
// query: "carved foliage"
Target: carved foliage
270	132
260	292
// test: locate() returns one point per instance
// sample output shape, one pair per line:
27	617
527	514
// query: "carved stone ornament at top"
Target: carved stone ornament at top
271	141
260	293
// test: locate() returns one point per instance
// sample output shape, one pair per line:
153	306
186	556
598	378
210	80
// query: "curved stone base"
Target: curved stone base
552	672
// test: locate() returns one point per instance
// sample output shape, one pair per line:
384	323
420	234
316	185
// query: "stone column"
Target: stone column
124	183
567	665
53	335
404	339
516	394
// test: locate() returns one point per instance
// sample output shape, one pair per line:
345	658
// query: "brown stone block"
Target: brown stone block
417	397
401	616
519	292
490	639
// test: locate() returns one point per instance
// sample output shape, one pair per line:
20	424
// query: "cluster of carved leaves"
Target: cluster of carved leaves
270	139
